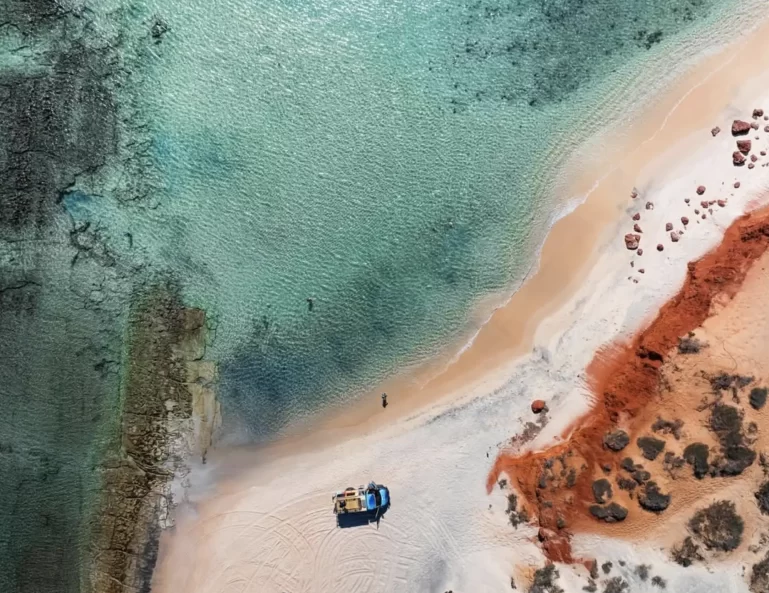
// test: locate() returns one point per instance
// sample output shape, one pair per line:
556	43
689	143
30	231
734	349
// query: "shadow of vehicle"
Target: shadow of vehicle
345	520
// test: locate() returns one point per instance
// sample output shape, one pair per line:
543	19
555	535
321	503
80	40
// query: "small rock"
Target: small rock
740	128
766	128
758	113
704	203
641	271
750	165
660	247
674	237
704	216
637	216
684	220
754	125
640	251
616	440
738	158
668	226
736	185
696	211
753	158
637	228
687	200
744	146
631	241
538	406
700	190
763	153
715	131
634	193
721	203
649	206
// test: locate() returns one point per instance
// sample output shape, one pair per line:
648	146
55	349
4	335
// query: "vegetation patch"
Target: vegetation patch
687	553
718	526
545	580
650	447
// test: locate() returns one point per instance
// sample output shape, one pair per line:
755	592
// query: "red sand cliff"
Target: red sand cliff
625	380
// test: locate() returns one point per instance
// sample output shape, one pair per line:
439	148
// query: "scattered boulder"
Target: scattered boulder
651	499
616	440
632	240
538	406
611	513
744	146
649	206
660	247
762	498
650	447
674	237
700	190
696	455
740	128
641	271
668	226
637	216
721	203
751	165
637	228
738	159
736	185
602	490
684	220
634	194
758	113
758	397
715	131
766	128
640	251
753	158
754	125
718	526
687	200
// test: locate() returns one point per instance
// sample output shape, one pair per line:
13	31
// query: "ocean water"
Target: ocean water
387	160
392	162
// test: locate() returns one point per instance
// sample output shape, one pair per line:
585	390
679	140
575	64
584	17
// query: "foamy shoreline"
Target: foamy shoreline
272	530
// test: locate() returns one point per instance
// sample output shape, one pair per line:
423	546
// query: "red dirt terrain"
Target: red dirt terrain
561	486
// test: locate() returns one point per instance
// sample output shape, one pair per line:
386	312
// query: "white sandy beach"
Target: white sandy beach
261	522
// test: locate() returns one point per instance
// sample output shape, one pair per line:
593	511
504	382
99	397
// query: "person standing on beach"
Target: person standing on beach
384	400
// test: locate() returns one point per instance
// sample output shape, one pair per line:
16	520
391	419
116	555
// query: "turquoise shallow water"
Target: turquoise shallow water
390	161
384	160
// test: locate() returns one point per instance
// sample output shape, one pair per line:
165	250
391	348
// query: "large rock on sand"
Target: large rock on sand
632	240
738	159
538	406
740	128
744	146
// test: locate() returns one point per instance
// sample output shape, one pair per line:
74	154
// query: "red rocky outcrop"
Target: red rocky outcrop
744	146
740	128
632	240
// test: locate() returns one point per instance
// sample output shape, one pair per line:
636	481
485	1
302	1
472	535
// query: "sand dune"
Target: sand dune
262	522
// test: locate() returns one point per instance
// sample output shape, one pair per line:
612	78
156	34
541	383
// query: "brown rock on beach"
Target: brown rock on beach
684	220
538	406
660	247
736	185
668	226
631	241
744	146
637	216
738	159
721	203
758	113
715	131
740	128
700	190
637	228
674	237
